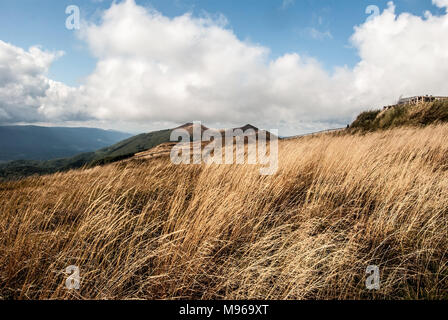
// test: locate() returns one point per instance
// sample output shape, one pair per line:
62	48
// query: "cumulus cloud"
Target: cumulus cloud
168	69
22	81
403	54
441	3
26	93
154	68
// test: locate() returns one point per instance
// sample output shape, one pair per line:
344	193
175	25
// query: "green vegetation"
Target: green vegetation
120	151
365	120
24	168
135	144
46	143
402	115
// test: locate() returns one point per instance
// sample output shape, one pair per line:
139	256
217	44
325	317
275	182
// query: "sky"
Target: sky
140	65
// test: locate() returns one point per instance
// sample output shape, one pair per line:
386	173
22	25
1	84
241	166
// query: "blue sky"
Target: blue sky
282	27
139	65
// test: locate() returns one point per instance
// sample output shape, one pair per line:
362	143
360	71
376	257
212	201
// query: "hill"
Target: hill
148	229
122	150
422	114
45	143
131	146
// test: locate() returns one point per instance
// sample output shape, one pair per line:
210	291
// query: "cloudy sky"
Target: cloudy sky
294	65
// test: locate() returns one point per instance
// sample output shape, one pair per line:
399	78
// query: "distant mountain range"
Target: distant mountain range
45	143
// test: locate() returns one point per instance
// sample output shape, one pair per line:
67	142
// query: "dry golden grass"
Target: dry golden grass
147	229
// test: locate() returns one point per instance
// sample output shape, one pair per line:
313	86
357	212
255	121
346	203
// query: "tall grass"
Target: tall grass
147	229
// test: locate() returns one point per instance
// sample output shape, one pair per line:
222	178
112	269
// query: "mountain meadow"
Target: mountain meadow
375	194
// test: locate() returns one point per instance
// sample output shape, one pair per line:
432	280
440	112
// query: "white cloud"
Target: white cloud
441	3
153	69
23	81
188	68
26	93
401	55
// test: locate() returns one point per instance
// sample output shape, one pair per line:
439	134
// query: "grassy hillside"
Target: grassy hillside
402	115
152	230
119	151
45	143
132	146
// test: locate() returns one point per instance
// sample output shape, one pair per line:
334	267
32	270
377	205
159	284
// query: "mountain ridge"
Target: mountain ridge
121	150
30	142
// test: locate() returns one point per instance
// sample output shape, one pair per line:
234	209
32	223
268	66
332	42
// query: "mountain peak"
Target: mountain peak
248	127
189	125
